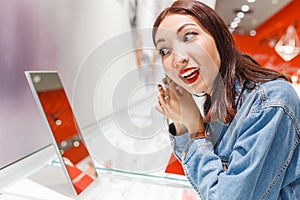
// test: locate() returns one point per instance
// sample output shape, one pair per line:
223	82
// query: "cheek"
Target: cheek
213	53
167	66
206	55
216	57
170	72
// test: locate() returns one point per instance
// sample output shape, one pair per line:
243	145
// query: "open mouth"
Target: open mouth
189	75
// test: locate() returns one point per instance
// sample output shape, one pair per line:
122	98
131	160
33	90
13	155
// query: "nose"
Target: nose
180	60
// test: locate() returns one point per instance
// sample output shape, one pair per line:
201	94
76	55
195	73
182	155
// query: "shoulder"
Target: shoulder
279	95
277	85
277	92
268	97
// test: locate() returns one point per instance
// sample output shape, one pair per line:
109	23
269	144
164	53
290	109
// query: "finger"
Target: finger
165	81
172	91
162	102
167	96
174	87
161	90
159	108
169	80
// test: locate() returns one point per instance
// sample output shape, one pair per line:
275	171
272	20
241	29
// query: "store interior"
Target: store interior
109	71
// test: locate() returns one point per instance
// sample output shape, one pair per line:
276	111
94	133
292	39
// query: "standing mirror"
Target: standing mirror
67	139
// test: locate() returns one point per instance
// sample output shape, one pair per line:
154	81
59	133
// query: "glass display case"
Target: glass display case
130	159
112	184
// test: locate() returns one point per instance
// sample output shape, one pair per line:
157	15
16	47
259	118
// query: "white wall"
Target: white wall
102	73
95	27
54	35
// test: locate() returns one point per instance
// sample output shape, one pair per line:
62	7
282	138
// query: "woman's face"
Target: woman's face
189	53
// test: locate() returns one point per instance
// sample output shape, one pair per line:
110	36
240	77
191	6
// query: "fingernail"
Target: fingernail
165	81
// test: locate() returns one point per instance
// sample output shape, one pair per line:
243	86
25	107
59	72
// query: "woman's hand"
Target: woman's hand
177	104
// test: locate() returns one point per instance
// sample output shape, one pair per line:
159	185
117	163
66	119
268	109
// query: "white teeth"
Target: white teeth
189	73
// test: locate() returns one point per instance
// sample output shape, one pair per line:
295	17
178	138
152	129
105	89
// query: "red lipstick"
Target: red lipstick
189	75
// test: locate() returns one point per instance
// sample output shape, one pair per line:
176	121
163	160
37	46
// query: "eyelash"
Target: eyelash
162	53
193	34
165	51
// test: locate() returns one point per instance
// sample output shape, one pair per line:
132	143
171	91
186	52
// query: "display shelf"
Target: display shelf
111	184
13	197
159	177
130	149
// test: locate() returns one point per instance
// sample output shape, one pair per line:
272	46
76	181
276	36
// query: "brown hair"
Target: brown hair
235	66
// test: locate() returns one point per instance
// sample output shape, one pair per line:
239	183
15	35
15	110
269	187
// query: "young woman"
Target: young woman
244	144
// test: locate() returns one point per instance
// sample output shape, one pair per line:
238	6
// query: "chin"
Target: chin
194	91
197	88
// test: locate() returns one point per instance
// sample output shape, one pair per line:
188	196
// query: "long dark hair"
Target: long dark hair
235	66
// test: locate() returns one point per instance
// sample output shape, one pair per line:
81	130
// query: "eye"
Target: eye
189	36
163	51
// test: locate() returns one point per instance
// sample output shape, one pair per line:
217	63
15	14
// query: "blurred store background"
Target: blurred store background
95	46
268	31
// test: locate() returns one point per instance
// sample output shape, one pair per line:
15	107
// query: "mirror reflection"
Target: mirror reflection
65	130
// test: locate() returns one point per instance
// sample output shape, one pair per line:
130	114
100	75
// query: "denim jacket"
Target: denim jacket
256	156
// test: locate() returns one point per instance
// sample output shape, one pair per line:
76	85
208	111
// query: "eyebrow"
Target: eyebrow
160	40
183	26
177	31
